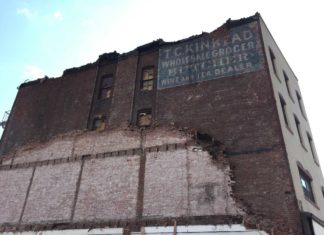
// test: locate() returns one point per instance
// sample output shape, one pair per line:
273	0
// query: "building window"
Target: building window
306	183
273	62
105	87
144	117
147	80
283	108
301	105
312	148
298	130
99	123
287	84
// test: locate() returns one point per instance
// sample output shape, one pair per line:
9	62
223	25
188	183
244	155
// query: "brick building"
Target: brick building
207	134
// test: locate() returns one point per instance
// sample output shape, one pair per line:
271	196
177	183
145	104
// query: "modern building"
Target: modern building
204	135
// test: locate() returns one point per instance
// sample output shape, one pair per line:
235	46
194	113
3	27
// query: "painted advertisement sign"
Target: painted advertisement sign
206	58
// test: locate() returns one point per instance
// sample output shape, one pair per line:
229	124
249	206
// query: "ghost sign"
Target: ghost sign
206	58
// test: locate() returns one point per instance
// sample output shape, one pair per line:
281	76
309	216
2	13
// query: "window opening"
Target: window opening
105	87
99	123
144	118
306	183
147	80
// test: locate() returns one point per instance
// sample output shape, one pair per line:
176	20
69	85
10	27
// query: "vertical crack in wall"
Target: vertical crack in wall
76	194
226	185
188	182
27	194
73	145
13	158
141	178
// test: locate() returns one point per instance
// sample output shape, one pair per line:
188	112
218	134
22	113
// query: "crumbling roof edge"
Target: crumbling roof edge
156	44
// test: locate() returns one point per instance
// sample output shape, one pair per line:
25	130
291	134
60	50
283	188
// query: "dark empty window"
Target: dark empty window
306	183
300	103
312	147
273	61
283	108
287	83
144	117
98	123
147	80
105	87
298	130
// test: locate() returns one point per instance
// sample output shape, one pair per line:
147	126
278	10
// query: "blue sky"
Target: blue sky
46	37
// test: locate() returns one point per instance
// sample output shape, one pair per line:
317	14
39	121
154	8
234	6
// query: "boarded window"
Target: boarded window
144	117
306	183
99	123
106	84
147	80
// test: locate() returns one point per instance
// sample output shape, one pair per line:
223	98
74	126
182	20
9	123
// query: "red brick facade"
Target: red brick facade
237	111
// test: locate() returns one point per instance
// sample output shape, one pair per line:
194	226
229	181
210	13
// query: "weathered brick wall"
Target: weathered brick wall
57	148
122	101
102	106
164	136
166	186
52	192
108	189
239	111
185	183
145	99
273	205
174	179
110	141
15	183
49	108
84	143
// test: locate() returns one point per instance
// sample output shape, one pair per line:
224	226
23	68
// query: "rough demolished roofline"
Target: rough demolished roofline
112	57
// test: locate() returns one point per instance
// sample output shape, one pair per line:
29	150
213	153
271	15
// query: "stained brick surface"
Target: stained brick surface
186	182
52	150
166	185
209	190
48	108
108	189
122	101
101	142
239	111
164	136
52	193
15	183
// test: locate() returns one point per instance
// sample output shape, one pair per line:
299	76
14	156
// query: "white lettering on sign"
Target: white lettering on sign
206	58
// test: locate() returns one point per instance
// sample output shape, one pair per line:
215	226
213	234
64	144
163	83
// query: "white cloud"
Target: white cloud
25	12
32	72
58	16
